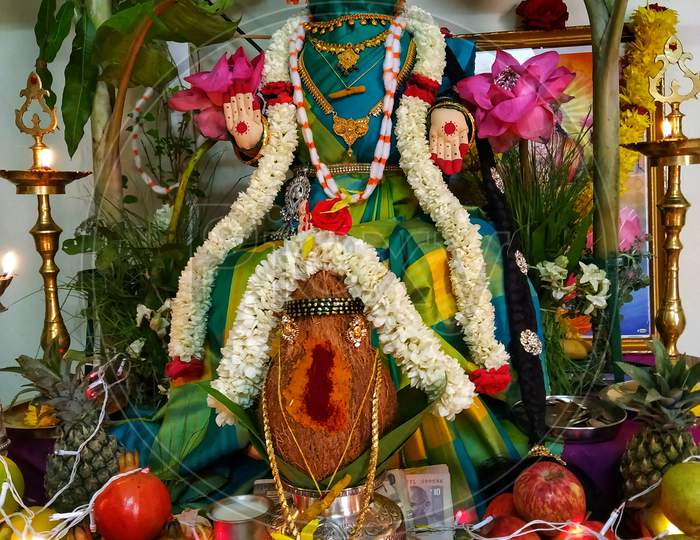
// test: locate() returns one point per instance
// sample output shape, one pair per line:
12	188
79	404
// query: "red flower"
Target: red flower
325	216
543	14
176	368
491	381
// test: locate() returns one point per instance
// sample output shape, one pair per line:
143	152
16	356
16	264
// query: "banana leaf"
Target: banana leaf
412	406
185	22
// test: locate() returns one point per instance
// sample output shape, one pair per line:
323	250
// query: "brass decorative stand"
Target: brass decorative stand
41	180
672	152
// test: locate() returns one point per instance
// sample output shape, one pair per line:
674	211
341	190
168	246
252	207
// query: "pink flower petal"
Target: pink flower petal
512	110
536	125
216	80
246	74
475	90
542	65
212	124
190	99
504	60
630	229
490	126
503	143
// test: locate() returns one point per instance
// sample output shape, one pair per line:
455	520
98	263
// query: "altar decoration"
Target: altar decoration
664	399
672	151
543	14
651	25
43	181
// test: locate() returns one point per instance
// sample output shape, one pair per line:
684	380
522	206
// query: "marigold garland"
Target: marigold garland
651	25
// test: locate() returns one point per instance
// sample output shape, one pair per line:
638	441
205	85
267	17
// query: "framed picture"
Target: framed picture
642	189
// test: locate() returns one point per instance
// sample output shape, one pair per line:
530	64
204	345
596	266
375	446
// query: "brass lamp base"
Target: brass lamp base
46	233
669	152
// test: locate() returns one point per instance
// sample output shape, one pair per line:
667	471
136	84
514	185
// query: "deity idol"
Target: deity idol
375	277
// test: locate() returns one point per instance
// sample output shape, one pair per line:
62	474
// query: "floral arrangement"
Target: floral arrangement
543	14
584	292
517	101
400	329
651	25
467	265
209	91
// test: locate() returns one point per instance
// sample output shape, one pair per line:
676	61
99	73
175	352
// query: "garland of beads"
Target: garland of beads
392	64
307	307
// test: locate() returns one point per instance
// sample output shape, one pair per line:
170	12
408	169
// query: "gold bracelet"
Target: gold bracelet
265	138
447	103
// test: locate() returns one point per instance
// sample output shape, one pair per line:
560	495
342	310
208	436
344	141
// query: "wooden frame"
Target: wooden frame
581	36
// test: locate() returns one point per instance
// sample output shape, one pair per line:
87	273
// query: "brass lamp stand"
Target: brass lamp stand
672	152
41	180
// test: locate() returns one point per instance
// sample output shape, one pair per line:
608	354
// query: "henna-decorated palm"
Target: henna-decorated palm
449	139
243	121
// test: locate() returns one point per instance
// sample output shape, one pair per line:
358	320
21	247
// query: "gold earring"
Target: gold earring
356	331
288	328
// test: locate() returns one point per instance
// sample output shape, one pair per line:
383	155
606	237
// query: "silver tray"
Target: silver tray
578	418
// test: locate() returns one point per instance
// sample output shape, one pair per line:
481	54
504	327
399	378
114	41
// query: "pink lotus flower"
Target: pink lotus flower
517	101
211	89
628	234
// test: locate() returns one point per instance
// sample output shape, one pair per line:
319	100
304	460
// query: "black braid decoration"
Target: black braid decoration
521	312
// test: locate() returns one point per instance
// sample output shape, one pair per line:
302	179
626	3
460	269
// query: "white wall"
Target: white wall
21	326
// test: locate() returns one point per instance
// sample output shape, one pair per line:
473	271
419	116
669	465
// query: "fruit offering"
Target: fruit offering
680	497
550	492
136	507
10	505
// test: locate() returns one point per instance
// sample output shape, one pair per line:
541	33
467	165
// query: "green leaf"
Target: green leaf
218	6
81	83
80	244
46	82
183	429
662	360
652	395
639	374
59	31
693	376
44	23
678	373
185	22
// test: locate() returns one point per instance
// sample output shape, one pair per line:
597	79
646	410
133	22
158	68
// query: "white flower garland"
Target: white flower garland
467	265
401	330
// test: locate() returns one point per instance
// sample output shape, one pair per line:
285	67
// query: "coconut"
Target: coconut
319	388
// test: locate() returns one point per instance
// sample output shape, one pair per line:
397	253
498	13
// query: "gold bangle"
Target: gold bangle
265	138
446	103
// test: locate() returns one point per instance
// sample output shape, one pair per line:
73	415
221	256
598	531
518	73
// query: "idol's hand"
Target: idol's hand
449	139
244	122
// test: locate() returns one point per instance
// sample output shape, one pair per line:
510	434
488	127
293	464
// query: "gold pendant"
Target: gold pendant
350	129
347	60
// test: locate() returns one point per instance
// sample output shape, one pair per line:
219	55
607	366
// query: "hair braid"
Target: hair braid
521	312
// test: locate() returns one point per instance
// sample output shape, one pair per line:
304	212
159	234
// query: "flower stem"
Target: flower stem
525	169
198	154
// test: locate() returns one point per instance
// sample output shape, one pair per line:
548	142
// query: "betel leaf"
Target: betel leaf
184	426
59	31
81	83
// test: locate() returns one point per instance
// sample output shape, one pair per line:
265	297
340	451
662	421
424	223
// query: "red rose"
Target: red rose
176	368
491	381
543	14
324	217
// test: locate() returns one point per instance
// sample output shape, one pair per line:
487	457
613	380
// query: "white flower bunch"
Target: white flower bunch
401	330
584	292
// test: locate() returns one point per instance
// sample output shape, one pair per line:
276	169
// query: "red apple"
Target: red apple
136	507
550	492
577	532
501	505
503	526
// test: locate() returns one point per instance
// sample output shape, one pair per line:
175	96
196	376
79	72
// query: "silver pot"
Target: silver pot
241	517
384	519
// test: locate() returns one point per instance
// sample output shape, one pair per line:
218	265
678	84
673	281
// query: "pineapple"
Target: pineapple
61	385
664	399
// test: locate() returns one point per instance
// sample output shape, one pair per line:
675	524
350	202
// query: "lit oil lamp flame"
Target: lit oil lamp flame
46	158
9	263
666	129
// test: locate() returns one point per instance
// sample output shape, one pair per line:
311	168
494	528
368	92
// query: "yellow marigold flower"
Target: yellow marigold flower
42	416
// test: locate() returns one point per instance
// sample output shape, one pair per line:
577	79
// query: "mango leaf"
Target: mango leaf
47	82
217	6
59	31
86	243
186	22
44	23
184	426
81	83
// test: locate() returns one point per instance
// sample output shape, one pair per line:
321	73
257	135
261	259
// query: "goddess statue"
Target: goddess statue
358	104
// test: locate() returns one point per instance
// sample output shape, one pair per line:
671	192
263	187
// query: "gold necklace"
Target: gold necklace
350	129
364	18
350	88
348	54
